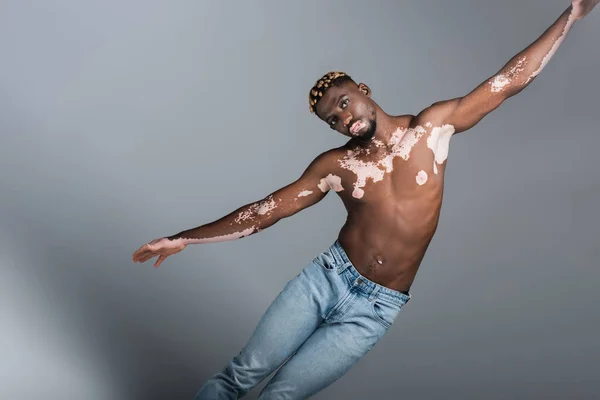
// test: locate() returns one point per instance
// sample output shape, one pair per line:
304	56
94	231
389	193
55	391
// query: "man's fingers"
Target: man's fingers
138	253
137	256
143	256
159	261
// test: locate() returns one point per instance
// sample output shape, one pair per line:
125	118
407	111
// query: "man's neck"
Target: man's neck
388	125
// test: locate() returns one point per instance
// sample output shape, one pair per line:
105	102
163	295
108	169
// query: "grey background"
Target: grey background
124	121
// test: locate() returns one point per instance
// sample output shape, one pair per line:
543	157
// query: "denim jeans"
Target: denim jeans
323	321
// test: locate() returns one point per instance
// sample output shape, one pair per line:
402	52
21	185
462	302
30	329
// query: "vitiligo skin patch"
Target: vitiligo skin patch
248	214
401	144
266	205
304	193
331	182
554	48
520	74
363	170
402	147
421	178
261	208
500	81
221	238
439	143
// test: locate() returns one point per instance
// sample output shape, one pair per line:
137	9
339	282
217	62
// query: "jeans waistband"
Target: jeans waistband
344	264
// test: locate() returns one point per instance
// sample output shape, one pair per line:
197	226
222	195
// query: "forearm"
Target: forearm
522	69
242	222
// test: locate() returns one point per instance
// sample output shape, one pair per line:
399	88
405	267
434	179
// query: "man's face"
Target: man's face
349	110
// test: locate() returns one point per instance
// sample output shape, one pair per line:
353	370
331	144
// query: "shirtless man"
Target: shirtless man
390	177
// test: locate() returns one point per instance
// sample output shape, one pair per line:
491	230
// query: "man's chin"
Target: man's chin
368	133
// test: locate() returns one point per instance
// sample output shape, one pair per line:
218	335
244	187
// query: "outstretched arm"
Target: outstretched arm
464	112
259	215
310	188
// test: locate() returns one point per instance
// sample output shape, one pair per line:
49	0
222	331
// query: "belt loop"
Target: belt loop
343	267
373	293
335	254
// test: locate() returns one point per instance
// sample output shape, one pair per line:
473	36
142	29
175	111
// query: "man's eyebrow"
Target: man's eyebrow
336	102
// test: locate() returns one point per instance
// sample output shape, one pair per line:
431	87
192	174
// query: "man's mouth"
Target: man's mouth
356	127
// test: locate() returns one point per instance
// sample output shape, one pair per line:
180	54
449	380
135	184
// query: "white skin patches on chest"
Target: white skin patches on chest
304	193
331	182
401	145
363	171
501	80
439	142
421	178
401	142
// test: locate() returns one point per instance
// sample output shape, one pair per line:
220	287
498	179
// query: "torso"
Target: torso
393	195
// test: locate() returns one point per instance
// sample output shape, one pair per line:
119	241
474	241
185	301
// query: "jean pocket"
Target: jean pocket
325	260
385	312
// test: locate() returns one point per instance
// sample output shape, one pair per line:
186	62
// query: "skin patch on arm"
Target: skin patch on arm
501	80
221	238
259	208
555	46
267	205
305	193
248	214
331	182
439	142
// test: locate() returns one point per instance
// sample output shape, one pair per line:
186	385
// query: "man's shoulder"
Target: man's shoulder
328	161
333	155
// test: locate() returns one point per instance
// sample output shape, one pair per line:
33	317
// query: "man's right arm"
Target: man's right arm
251	218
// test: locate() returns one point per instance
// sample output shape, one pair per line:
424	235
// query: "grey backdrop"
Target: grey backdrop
124	121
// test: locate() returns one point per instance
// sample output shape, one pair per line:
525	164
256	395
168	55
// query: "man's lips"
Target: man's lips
356	126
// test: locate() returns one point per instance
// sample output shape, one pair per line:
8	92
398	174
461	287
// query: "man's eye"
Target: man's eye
344	103
333	122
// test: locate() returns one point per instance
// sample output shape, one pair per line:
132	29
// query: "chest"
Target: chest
411	161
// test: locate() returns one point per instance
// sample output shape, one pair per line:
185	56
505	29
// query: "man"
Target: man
389	176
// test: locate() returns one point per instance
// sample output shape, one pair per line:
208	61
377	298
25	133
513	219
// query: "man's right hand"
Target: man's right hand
162	247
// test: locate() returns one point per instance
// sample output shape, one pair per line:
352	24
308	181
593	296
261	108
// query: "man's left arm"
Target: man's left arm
465	112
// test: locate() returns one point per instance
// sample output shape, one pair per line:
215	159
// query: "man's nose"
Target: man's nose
347	119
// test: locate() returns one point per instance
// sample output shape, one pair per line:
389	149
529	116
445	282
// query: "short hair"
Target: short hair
332	78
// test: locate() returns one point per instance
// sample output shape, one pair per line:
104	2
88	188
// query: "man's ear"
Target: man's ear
364	89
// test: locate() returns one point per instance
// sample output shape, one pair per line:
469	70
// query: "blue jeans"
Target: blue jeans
322	322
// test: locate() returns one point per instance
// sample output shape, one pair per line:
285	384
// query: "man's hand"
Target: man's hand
162	247
581	8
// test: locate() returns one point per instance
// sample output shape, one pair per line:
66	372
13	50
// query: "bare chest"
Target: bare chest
412	161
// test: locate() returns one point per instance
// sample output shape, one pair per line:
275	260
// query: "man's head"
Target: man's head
344	105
